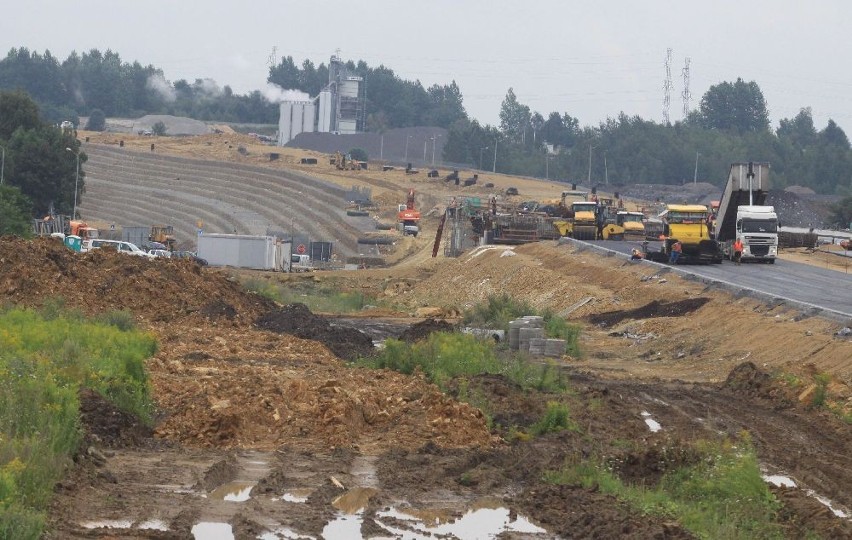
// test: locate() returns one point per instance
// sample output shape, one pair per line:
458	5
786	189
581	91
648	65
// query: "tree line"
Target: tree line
731	123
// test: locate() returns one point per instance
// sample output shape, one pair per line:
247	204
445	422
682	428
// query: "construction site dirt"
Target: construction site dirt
260	432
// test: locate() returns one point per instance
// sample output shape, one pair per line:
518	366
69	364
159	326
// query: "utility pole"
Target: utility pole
589	179
382	148
695	176
434	140
606	172
425	142
494	167
484	148
406	147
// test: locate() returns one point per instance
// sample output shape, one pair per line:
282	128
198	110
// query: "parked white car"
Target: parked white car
160	253
118	245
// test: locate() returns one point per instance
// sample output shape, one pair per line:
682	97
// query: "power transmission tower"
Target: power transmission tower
273	57
667	86
686	95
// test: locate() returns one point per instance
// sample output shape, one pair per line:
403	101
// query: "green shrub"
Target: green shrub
44	361
557	417
123	320
497	311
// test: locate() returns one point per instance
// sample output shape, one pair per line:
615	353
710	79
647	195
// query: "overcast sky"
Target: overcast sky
590	59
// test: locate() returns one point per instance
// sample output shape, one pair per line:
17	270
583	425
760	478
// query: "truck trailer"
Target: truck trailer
742	214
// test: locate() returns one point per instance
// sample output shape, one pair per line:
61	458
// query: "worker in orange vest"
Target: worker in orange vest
677	249
738	250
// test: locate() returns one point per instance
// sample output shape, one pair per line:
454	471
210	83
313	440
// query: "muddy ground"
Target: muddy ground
265	433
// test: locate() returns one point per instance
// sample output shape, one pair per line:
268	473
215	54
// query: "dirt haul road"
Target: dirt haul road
261	432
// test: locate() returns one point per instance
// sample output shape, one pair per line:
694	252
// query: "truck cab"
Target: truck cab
300	263
757	227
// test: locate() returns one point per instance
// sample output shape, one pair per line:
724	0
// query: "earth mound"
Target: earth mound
108	426
423	329
297	320
39	271
650	310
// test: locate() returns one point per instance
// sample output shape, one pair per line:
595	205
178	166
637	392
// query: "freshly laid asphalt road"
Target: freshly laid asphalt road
811	285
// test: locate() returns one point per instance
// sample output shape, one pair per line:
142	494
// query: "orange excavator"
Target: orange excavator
408	216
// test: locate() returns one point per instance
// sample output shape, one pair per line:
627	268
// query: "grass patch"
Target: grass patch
721	496
318	299
44	360
445	356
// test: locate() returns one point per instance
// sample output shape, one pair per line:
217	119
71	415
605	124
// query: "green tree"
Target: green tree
738	106
15	210
97	120
17	110
841	214
359	154
159	128
514	117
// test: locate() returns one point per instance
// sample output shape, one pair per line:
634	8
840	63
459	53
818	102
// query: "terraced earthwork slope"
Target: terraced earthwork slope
131	188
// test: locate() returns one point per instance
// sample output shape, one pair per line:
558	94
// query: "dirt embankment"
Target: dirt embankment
229	393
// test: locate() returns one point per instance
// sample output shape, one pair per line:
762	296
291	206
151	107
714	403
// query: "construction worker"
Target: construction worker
738	250
677	249
636	255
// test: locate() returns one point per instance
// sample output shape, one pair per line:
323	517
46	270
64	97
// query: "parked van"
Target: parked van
118	245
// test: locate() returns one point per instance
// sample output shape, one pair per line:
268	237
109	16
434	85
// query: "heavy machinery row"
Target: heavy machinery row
700	233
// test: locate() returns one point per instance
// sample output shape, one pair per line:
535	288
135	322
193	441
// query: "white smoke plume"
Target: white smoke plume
275	94
207	88
160	85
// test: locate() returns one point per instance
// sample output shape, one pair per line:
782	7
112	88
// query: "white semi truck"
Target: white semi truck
743	215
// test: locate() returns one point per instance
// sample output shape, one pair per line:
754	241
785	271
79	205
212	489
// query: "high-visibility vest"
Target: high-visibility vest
738	246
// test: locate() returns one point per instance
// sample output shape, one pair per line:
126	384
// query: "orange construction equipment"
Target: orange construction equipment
408	216
82	229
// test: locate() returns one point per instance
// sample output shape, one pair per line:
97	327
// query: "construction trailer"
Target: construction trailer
245	251
742	214
135	235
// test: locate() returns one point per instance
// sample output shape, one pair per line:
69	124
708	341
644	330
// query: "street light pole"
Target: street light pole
606	172
481	150
425	143
406	147
76	182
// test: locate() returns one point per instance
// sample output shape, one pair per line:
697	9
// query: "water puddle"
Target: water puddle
208	530
482	523
233	491
355	500
285	534
108	524
153	525
652	424
299	495
778	480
